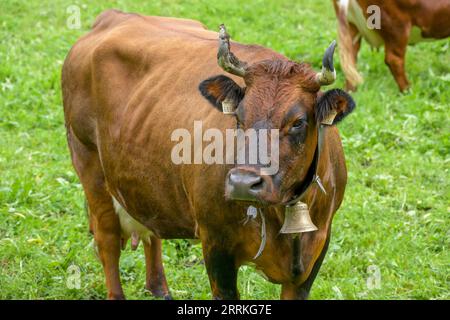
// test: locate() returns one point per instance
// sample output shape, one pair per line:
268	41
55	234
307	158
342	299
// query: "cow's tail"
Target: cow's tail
348	61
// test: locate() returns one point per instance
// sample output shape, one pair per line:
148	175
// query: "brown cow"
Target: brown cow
133	80
402	22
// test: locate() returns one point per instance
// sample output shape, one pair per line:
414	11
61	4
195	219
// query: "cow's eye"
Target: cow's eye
298	125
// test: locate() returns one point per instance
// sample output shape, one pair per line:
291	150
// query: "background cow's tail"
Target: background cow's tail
348	61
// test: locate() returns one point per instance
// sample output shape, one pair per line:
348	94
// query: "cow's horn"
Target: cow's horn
328	73
225	58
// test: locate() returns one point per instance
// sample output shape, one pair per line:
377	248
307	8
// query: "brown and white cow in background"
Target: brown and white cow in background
402	22
133	80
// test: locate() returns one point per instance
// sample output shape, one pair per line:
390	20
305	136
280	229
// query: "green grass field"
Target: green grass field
395	216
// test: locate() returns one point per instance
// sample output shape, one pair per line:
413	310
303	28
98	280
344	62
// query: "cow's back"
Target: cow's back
108	62
126	55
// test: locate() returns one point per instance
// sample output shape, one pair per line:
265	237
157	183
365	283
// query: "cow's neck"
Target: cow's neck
312	175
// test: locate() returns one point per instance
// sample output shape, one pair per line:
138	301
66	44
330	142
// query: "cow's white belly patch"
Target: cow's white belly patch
130	226
355	15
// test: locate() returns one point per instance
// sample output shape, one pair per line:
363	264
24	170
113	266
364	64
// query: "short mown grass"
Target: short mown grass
395	217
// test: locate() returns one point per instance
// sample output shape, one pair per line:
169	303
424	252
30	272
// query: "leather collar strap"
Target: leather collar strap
312	175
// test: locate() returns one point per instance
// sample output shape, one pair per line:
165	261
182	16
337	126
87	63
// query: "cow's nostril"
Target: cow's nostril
257	185
245	185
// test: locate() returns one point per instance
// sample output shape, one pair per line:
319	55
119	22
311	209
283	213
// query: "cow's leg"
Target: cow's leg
395	51
155	278
290	291
104	222
222	271
356	45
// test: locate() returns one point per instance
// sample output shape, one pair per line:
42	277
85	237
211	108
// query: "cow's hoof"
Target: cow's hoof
116	297
159	293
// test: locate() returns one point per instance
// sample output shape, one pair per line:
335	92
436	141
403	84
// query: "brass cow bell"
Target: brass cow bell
297	219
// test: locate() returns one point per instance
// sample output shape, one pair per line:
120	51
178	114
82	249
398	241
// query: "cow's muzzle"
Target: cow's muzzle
246	184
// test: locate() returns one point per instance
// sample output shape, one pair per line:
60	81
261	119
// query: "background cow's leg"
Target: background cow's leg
155	278
395	51
103	218
356	45
222	271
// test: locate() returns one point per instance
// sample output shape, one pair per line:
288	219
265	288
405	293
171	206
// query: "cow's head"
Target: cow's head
278	94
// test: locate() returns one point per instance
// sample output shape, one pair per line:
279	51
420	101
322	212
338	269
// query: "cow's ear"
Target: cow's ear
333	106
222	92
